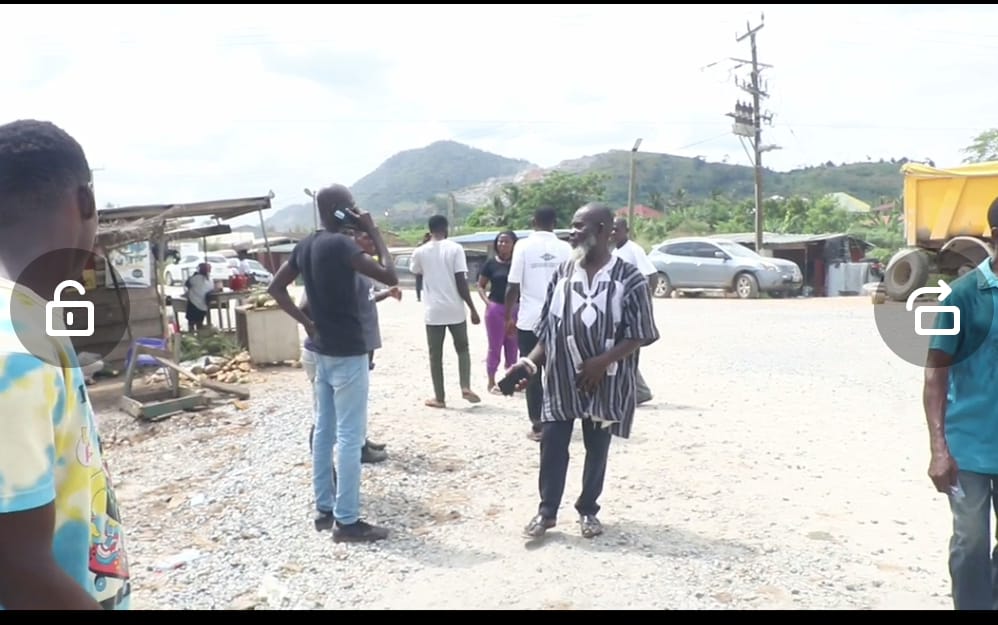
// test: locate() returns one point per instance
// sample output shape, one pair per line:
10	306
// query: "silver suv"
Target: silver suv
708	264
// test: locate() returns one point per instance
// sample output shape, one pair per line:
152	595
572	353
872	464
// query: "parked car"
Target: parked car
177	273
697	264
257	270
402	257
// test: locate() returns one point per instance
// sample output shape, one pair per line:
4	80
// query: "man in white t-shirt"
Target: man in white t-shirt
534	261
631	252
444	268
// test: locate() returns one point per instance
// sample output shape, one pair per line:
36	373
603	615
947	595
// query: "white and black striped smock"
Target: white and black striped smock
580	321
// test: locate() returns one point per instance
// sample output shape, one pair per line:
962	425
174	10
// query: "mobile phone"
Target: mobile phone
957	491
508	384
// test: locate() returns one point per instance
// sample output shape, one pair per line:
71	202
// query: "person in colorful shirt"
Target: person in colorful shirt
61	539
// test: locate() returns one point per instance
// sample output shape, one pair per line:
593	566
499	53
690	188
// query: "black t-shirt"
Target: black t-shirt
497	274
323	259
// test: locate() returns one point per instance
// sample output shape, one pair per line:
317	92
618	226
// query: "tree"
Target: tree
564	192
984	148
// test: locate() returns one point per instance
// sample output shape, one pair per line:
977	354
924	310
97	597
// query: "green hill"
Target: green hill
408	186
660	176
419	175
414	184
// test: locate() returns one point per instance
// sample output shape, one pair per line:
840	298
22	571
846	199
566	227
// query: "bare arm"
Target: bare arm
278	289
483	282
934	399
621	350
384	294
30	578
537	354
384	271
464	291
512	299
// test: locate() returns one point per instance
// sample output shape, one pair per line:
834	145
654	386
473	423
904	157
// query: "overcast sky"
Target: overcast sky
188	103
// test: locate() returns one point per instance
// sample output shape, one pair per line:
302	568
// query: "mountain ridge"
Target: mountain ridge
413	184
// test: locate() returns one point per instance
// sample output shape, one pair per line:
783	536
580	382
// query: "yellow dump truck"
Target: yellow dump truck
945	222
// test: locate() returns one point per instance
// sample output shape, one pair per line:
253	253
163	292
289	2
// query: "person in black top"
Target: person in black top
328	261
493	275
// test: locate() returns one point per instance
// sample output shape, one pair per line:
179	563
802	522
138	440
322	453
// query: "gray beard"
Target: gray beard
583	249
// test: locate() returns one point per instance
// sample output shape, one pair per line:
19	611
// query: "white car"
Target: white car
178	273
257	270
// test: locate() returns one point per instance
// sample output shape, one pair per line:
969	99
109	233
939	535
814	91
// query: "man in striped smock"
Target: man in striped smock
597	314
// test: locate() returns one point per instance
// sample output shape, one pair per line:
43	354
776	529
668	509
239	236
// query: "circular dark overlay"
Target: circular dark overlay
909	328
95	321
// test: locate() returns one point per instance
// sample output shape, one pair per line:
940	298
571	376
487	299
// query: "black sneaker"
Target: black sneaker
359	532
369	455
324	521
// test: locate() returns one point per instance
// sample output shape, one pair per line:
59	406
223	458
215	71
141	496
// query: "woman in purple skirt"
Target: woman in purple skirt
492	276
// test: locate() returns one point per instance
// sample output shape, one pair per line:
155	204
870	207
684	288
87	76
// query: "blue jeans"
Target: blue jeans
341	385
973	567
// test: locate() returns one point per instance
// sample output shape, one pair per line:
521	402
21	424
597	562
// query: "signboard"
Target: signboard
133	263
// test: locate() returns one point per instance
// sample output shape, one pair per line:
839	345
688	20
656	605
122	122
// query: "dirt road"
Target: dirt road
781	465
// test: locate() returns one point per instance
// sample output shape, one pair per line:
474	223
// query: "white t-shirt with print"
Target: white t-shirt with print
439	262
535	260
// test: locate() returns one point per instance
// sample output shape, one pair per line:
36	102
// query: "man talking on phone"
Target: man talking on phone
329	261
596	315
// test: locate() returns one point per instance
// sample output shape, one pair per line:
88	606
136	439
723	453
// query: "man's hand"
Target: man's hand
943	471
310	329
474	317
526	365
511	328
364	220
395	292
592	373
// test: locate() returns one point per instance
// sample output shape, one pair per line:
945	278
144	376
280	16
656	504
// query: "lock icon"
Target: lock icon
57	305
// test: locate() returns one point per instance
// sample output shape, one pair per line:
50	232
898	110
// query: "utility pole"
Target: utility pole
632	184
748	121
315	208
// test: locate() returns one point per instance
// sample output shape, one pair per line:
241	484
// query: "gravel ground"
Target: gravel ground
780	465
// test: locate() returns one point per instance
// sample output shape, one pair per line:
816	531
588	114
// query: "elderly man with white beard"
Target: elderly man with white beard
597	314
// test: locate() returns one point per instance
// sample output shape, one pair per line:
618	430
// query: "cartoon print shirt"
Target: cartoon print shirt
50	451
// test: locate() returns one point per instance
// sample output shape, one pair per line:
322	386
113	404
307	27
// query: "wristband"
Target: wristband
529	365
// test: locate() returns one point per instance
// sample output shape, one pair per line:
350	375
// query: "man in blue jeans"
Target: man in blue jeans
329	261
961	408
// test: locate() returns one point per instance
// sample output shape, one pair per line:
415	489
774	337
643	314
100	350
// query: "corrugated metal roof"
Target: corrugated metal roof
218	209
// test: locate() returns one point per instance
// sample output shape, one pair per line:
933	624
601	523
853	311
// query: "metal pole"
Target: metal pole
757	122
632	186
315	209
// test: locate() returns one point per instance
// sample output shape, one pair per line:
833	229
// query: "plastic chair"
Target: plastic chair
144	360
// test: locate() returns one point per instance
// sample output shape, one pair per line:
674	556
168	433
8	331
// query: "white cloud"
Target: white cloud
184	103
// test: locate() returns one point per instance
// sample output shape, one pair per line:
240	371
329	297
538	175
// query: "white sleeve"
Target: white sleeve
641	261
515	275
414	265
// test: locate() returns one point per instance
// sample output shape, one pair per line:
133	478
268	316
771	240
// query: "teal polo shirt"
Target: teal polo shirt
972	398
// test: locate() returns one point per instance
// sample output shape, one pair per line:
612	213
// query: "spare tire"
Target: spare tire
906	274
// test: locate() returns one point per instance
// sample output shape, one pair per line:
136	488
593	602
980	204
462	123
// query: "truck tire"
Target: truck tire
906	274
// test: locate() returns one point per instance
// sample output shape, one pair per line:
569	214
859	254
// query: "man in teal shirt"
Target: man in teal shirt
961	408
